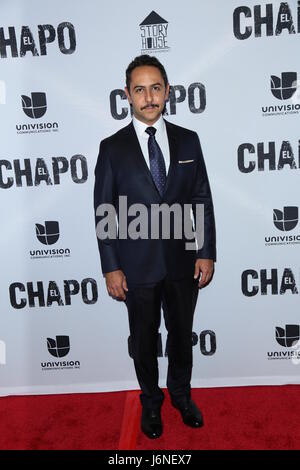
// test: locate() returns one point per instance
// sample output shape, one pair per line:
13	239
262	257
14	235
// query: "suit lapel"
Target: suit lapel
172	138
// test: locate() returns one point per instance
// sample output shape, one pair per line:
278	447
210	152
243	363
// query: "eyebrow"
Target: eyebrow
143	86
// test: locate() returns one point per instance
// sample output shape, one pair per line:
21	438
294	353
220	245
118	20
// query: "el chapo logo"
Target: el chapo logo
195	94
264	21
207	344
23	174
36	294
35	106
268	281
29	42
266	156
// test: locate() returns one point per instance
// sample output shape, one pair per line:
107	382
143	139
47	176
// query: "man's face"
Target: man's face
147	93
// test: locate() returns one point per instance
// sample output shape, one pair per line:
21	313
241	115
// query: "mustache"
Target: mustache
150	106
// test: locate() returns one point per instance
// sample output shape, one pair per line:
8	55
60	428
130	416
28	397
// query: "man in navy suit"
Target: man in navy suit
153	162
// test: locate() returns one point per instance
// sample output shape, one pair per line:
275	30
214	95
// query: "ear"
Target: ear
127	94
167	92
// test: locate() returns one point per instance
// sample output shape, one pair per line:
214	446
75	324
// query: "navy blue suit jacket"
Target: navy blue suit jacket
121	170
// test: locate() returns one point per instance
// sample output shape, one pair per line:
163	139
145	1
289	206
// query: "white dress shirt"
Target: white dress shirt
160	136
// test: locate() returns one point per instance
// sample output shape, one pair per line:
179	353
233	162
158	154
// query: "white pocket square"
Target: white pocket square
185	161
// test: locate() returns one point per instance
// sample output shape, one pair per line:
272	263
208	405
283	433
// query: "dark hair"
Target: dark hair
145	59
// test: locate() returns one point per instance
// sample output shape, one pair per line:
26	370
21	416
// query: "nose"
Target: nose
148	96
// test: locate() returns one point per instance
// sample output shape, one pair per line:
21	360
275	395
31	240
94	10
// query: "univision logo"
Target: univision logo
35	107
283	88
48	234
286	337
287	219
59	347
284	220
154	32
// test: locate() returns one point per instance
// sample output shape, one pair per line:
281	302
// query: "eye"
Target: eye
156	88
138	90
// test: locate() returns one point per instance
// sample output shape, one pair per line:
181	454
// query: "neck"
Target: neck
148	123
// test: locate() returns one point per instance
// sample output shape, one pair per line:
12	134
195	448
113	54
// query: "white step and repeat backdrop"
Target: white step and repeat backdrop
233	67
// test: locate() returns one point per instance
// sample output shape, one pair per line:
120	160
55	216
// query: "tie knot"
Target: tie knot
151	131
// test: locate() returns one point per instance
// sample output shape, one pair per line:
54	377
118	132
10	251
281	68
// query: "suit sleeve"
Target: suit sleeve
202	195
105	193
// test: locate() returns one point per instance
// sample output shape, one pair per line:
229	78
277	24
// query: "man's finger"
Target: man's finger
109	290
119	292
205	278
112	292
124	284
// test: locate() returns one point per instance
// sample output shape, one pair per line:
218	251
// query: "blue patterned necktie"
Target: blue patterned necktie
157	162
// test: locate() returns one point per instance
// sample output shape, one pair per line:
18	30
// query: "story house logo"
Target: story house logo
154	33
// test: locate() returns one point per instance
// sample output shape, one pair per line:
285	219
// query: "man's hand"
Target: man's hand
205	267
116	284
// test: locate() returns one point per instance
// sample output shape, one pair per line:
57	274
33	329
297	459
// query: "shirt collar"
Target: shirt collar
140	126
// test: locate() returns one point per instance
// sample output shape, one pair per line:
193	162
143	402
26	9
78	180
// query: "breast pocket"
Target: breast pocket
186	165
185	174
186	161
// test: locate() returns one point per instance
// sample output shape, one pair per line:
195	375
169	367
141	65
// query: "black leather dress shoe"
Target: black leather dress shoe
151	422
191	415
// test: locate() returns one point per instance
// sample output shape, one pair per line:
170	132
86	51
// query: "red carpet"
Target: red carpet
235	418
